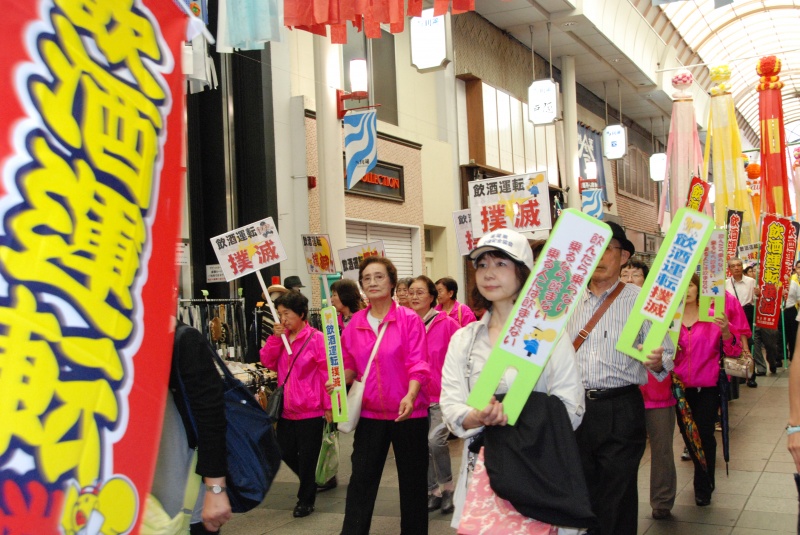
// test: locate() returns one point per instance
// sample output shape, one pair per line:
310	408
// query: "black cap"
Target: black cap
619	235
292	282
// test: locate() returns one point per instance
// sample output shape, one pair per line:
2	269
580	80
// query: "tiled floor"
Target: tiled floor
759	496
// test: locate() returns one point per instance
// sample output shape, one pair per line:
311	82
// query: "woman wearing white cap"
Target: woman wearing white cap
503	261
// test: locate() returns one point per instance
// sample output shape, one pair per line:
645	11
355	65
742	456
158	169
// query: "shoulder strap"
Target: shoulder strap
459	314
295	357
584	333
374	352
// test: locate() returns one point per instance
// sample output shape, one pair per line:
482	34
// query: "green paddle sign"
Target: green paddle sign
333	353
666	284
543	308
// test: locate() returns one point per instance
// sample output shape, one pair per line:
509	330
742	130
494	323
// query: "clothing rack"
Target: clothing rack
221	321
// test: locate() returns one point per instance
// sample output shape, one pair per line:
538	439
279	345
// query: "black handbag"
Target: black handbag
252	453
275	401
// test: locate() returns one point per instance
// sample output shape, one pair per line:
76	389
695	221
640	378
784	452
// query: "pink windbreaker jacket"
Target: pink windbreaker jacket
697	359
467	315
304	395
401	357
437	339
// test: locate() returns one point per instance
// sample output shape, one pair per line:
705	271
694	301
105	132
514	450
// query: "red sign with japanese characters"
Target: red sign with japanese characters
777	235
90	206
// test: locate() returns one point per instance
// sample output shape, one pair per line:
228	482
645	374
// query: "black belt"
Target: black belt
597	394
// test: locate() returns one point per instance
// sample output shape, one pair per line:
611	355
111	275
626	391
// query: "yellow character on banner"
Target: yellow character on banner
107	509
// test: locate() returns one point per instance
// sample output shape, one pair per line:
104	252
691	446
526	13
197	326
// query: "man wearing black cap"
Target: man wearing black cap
293	283
612	436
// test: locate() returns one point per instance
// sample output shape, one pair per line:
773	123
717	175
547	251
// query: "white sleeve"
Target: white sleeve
564	380
455	389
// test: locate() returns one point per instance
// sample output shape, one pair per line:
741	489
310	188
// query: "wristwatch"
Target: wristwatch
216	489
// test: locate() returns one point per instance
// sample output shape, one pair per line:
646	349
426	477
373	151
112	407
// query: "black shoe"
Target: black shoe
661	514
434	502
447	502
330	484
752	383
301	510
761	374
772	369
702	502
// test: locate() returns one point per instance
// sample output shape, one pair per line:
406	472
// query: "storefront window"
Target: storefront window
634	180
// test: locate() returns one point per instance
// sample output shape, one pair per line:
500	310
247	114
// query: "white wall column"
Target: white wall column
569	97
329	142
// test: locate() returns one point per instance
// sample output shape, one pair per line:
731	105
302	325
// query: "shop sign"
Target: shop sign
182	253
319	255
428	42
543	102
615	142
214	273
351	257
248	249
542	311
385	181
516	202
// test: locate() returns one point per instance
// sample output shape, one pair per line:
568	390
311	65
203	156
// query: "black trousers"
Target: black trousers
612	440
704	403
790	322
300	441
409	440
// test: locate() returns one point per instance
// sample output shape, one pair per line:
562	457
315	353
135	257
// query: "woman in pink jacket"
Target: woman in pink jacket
394	408
305	400
697	365
439	328
447	289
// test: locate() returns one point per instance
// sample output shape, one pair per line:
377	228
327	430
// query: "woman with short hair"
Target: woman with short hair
394	407
439	328
447	289
346	299
303	375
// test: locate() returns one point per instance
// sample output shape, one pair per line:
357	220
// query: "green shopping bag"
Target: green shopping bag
328	462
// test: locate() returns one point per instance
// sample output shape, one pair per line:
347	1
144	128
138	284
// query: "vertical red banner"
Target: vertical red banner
698	194
775	234
734	233
90	207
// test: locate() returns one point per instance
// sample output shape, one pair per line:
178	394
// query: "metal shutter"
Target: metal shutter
396	241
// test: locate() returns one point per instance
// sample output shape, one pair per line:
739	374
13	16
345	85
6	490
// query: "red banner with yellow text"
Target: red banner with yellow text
775	233
90	206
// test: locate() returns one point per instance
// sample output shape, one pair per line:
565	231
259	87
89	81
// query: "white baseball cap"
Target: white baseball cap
511	242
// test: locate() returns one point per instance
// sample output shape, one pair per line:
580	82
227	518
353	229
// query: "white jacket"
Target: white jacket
560	377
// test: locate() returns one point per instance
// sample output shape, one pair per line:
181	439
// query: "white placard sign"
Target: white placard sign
428	41
517	202
464	238
351	257
319	256
248	249
615	142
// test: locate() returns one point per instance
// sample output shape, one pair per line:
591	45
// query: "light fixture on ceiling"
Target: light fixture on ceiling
569	24
358	83
615	60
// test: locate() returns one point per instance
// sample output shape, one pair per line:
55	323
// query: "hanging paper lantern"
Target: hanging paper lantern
682	81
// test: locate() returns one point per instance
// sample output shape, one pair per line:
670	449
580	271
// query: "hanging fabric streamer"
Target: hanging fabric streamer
724	149
774	172
684	155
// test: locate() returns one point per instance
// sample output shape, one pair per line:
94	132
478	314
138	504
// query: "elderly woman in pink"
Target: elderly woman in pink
447	289
439	328
394	409
303	375
697	365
